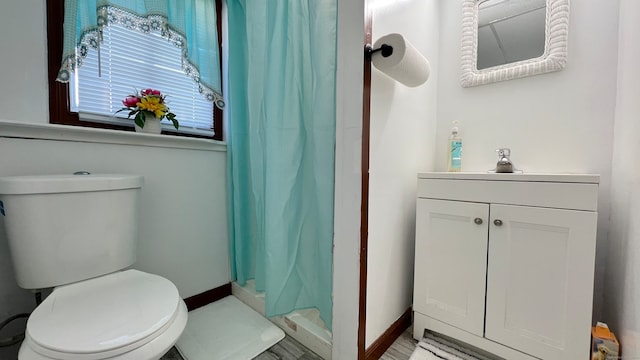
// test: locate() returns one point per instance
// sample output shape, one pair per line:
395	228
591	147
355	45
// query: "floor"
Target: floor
402	348
290	349
287	349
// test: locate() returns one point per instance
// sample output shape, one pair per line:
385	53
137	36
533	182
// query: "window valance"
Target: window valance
188	24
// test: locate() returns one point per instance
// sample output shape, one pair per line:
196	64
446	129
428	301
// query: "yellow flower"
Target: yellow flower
153	104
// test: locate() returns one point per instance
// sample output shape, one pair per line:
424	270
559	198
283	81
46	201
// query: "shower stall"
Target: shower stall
280	145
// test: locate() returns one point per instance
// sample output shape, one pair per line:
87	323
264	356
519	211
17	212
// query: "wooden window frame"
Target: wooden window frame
59	105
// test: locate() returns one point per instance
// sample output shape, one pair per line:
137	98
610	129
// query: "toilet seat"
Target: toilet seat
105	317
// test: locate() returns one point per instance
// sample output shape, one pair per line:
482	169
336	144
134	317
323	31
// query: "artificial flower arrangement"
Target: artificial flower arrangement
145	103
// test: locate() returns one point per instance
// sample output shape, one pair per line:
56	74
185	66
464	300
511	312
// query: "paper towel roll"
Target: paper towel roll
406	64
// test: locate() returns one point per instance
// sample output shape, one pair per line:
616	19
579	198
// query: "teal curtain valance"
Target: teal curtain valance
188	24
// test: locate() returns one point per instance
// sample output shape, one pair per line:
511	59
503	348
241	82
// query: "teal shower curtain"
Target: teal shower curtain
280	143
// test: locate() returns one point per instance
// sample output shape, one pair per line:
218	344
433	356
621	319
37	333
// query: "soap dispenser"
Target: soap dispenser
454	160
504	164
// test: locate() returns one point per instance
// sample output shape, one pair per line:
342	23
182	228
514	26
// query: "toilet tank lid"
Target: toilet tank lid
49	184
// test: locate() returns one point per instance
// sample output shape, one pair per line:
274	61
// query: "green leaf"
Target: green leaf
139	119
172	117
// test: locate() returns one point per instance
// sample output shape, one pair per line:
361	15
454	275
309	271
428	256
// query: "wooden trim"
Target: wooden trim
364	205
207	297
217	112
385	340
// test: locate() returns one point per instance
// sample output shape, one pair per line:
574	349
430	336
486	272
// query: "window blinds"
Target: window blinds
130	60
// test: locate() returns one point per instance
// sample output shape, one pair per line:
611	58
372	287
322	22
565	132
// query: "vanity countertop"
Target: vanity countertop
533	177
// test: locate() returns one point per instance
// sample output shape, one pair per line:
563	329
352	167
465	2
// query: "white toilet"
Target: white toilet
76	233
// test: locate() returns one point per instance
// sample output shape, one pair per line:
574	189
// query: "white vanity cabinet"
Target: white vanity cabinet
505	262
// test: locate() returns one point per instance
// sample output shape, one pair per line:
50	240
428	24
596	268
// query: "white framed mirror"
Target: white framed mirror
510	39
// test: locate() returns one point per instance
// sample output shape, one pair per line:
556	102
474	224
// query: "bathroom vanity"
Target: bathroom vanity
505	262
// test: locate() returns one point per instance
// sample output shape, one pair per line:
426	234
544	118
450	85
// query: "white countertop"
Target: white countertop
539	177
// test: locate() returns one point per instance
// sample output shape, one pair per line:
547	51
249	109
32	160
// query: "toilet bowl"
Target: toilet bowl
77	234
124	315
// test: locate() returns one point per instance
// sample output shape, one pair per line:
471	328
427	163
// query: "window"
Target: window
91	100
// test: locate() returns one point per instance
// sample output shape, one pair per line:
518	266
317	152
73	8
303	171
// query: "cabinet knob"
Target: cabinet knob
497	222
477	221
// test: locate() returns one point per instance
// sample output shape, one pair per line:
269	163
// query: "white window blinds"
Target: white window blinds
130	60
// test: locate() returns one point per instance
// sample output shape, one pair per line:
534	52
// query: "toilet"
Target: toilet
77	234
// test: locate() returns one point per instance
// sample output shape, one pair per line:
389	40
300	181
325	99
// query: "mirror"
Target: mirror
509	31
509	39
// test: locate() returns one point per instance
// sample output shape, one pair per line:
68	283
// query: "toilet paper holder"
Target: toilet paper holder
385	50
399	60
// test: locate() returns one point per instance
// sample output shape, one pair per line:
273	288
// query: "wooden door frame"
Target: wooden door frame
364	205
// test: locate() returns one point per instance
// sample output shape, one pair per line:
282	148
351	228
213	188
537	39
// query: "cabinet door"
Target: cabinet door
540	280
451	262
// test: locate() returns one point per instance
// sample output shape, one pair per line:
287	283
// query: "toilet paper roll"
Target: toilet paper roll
406	64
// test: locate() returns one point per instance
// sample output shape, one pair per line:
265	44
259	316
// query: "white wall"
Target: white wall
25	91
403	123
557	122
183	229
552	121
346	238
622	290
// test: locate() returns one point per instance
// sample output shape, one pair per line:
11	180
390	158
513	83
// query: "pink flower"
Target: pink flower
131	101
150	92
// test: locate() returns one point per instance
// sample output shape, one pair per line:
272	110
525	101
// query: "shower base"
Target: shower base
305	326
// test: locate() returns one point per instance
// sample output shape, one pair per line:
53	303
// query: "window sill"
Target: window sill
13	129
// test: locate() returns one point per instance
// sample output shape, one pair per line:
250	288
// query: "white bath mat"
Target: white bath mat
433	347
426	351
227	330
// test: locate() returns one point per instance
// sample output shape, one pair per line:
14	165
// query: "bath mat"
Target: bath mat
425	351
227	330
433	347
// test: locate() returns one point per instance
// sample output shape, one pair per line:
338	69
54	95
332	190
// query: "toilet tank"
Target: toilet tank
66	228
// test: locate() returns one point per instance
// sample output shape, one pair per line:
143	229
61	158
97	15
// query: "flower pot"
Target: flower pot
152	125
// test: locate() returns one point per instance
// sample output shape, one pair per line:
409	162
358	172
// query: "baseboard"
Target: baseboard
385	340
207	297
